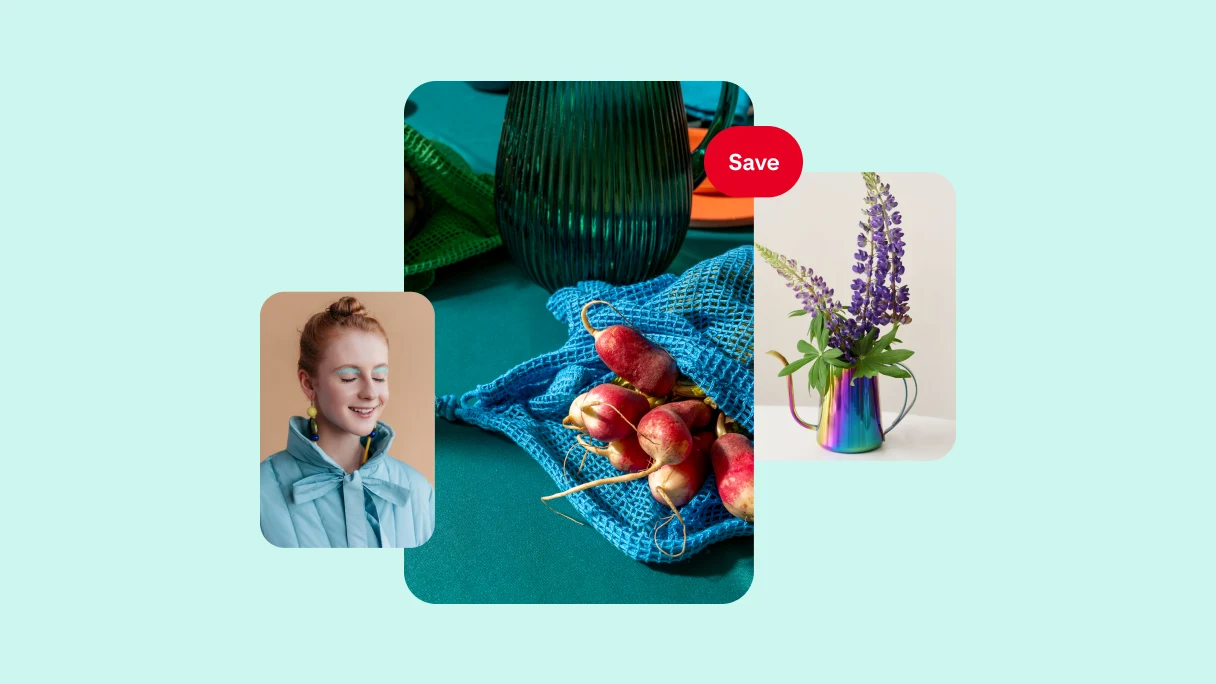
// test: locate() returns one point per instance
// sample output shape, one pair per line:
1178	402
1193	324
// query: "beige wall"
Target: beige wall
816	224
408	319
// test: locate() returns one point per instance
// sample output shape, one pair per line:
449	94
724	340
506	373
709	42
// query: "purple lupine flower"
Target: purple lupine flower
809	288
877	296
885	305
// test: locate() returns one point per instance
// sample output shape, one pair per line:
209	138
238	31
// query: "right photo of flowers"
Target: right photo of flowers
855	318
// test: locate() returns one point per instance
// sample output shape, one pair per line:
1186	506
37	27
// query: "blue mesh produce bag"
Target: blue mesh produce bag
705	319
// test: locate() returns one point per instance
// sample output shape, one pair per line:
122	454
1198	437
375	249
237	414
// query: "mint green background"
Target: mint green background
165	170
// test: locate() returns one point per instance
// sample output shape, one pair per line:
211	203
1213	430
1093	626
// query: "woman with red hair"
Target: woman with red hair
335	484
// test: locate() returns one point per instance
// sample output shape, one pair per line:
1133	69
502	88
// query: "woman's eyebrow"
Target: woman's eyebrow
382	368
348	369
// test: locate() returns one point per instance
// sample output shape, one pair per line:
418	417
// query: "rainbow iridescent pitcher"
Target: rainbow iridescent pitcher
850	419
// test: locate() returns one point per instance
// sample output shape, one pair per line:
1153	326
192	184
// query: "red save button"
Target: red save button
753	161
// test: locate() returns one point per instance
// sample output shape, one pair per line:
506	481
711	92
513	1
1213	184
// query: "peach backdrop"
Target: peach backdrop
408	319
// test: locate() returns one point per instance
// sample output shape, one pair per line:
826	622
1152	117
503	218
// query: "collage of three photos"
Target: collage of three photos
593	346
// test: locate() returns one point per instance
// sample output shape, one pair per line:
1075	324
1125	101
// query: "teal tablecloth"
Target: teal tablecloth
494	541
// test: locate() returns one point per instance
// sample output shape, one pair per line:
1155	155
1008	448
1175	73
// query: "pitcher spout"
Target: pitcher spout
789	384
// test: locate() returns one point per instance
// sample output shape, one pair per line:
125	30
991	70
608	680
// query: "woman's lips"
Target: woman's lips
363	412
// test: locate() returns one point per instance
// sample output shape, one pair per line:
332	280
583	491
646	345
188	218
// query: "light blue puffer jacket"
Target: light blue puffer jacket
309	501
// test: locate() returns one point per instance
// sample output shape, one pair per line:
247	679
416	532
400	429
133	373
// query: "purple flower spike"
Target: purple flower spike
877	296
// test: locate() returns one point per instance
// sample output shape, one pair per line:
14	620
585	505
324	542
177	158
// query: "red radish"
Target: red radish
625	454
628	353
676	485
734	466
574	420
695	414
611	412
663	436
679	482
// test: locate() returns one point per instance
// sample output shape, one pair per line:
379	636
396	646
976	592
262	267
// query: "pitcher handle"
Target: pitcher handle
789	383
723	118
907	407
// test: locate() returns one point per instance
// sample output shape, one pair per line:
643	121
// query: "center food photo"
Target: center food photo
594	343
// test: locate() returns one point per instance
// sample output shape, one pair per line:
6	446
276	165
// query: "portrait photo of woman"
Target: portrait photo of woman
334	483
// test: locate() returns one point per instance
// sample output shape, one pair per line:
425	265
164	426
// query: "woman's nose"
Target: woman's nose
367	390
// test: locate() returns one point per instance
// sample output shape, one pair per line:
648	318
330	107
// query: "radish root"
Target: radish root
546	503
598	451
590	448
572	446
674	514
587	323
629	477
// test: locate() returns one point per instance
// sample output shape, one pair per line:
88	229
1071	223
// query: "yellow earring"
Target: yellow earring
313	434
367	448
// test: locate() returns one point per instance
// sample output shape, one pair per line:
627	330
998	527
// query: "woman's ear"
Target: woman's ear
307	386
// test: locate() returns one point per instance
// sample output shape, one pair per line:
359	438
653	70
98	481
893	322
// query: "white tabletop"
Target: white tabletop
916	438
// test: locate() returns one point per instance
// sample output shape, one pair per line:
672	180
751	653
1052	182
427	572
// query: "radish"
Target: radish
574	420
676	485
663	436
695	414
628	353
734	466
611	412
624	454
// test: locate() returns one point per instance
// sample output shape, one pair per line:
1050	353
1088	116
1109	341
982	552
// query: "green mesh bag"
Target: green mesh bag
458	217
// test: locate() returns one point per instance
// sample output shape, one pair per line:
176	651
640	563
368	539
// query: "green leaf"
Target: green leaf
816	327
822	337
865	369
836	363
832	353
806	348
799	312
819	377
885	341
894	371
897	340
866	343
795	366
891	356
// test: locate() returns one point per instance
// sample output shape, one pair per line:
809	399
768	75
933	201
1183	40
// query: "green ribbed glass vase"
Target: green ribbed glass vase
594	178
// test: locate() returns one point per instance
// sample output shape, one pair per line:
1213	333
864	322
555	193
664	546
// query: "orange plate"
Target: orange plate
712	209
